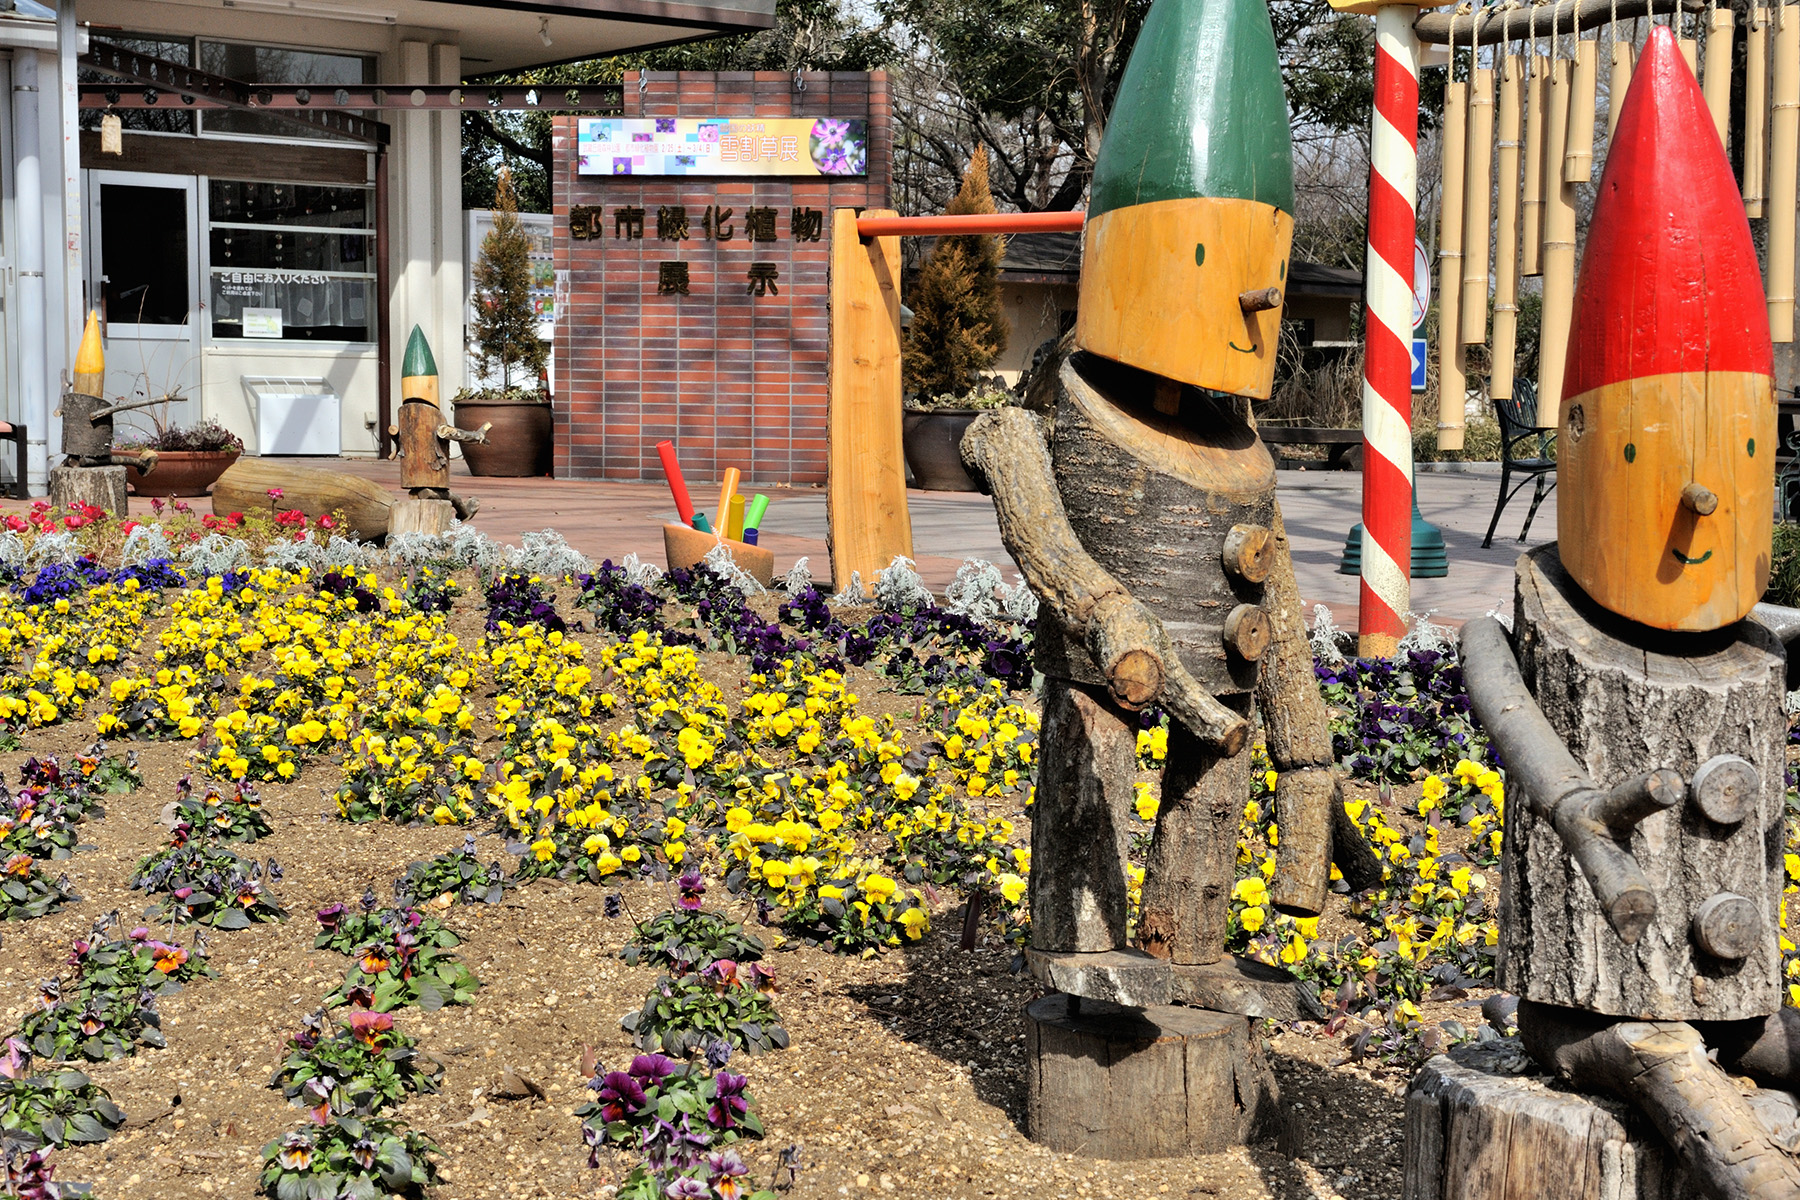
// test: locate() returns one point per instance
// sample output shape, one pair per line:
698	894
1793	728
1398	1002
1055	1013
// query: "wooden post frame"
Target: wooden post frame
865	498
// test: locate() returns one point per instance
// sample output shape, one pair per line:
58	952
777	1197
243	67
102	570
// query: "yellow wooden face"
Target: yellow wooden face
1626	452
1160	289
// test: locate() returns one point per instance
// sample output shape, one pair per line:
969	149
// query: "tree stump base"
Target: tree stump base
1477	1134
420	516
1163	1082
102	487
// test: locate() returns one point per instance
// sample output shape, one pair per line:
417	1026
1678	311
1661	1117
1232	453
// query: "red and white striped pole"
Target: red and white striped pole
1386	595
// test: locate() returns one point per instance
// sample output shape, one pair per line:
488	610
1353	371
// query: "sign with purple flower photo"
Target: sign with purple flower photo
803	146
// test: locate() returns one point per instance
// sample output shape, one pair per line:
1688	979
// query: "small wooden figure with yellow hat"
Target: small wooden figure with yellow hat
92	472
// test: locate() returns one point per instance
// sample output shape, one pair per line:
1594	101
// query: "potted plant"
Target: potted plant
189	460
507	346
957	330
932	429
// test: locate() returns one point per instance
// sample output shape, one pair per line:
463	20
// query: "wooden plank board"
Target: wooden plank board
865	499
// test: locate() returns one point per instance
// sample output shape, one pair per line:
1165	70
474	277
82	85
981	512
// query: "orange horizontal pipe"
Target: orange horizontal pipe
1037	222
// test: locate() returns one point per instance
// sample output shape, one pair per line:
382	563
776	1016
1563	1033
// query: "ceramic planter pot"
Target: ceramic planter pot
520	443
181	472
933	445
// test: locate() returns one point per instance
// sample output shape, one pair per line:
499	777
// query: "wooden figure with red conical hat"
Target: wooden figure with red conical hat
1666	466
1638	715
1145	521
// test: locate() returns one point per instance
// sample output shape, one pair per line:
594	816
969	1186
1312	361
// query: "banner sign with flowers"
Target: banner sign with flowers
802	146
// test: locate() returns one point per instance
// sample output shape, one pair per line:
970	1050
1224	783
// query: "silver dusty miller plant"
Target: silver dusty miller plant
975	592
302	552
643	574
798	578
13	553
899	588
471	547
215	554
720	562
1018	601
545	554
1422	634
1326	637
49	548
415	548
144	544
851	595
342	553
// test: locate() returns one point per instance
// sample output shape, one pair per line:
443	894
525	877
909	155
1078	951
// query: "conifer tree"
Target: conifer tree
506	326
958	328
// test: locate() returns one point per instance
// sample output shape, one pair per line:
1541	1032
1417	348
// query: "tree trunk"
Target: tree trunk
246	485
424	457
1110	1082
1080	821
102	487
1193	852
1627	699
1476	1135
413	515
1153	498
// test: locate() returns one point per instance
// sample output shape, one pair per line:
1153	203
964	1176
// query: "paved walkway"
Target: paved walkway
610	520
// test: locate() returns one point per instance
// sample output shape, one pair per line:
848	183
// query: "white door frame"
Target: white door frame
116	327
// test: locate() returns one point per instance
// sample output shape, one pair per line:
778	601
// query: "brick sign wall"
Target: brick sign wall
733	367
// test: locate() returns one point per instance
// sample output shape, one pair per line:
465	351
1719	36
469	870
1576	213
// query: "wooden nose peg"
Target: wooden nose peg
1260	299
1699	500
1248	632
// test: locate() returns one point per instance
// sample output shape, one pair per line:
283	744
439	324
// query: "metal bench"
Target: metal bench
1345	446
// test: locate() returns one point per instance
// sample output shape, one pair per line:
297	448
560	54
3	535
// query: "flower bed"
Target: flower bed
594	814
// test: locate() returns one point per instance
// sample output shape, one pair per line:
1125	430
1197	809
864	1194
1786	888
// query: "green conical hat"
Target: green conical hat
1200	111
418	359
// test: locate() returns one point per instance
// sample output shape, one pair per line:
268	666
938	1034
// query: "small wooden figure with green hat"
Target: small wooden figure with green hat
1145	521
424	449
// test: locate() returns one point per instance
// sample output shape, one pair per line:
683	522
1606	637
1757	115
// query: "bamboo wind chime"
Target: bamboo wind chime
1784	142
1519	138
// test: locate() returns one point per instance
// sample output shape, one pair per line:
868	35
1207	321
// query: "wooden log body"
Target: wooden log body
244	487
103	487
1669	373
82	435
1081	821
866	518
1626	699
1153	499
1479	1134
1165	1082
415	515
1192	862
424	456
1192	201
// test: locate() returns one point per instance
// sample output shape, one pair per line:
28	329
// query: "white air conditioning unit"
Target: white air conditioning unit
295	416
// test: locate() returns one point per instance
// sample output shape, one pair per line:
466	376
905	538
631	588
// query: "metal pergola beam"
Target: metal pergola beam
1509	22
193	86
290	99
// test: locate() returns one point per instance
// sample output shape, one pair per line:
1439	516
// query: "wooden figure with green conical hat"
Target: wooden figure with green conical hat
424	448
1145	521
1190	214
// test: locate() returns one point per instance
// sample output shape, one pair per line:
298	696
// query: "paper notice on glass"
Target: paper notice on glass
262	322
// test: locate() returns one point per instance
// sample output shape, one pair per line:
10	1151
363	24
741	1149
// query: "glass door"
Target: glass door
145	282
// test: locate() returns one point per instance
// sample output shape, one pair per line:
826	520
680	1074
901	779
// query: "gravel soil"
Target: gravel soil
906	1075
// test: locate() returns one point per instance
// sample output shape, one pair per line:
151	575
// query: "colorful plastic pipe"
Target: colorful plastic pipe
672	471
749	538
734	519
1038	222
753	514
727	489
701	524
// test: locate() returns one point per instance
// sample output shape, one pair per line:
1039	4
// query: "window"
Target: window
174	119
273	64
291	261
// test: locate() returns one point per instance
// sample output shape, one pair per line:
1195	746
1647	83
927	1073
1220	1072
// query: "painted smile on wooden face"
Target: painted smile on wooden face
1689	562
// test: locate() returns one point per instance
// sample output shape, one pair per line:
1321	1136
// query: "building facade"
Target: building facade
693	303
240	260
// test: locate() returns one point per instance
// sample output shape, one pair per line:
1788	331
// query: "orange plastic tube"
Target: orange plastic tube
1038	222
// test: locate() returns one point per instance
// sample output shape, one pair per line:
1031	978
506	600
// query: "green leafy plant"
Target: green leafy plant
676	1109
108	772
689	938
456	874
685	1013
403	969
346	932
52	1109
359	1157
364	1066
27	893
232	817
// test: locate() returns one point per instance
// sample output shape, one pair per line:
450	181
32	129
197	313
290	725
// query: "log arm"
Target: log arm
1594	825
100	414
1661	1068
1005	448
143	460
1299	740
451	433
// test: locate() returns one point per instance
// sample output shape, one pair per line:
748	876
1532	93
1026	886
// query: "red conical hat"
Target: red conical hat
1669	281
